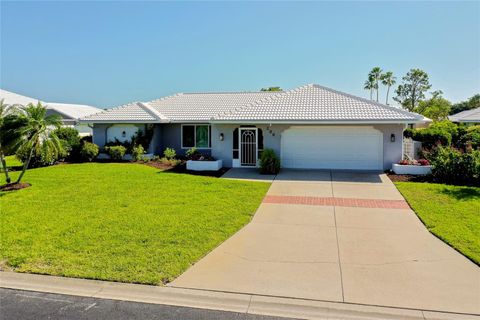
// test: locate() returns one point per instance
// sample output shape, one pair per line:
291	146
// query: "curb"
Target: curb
233	302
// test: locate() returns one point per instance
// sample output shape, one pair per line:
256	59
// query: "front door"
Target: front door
248	147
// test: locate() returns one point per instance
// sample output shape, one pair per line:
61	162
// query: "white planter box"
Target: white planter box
411	169
204	165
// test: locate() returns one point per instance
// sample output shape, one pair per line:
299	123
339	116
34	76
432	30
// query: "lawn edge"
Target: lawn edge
439	237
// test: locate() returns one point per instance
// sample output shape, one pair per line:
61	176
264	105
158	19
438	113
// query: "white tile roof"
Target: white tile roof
132	112
74	111
312	103
204	106
316	103
472	115
71	111
14	98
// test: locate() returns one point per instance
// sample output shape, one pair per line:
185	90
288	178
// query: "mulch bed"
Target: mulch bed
182	168
408	178
14	186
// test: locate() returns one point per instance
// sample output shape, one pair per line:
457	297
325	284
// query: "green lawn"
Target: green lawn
452	213
120	222
11	161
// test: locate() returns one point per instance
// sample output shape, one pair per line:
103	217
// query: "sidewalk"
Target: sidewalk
242	303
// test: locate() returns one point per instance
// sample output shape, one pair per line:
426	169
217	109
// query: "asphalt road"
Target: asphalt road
20	305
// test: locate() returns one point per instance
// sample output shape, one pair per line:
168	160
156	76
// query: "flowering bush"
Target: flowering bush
413	162
195	155
423	162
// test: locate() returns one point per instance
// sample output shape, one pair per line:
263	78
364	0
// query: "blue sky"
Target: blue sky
110	53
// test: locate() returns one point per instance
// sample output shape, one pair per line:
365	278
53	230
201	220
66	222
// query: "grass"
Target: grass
120	222
11	161
452	213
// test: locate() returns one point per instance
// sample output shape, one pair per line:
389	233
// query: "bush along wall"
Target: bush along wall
454	166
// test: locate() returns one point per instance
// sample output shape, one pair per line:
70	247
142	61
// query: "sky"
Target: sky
110	53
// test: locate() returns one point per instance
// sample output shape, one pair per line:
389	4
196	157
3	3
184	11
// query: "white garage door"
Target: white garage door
330	147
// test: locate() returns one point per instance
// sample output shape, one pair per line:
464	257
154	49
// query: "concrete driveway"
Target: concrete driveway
339	236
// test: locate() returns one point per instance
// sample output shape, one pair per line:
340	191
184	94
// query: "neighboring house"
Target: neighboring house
70	113
308	127
468	116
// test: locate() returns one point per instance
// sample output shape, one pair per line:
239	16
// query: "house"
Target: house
70	113
308	127
468	116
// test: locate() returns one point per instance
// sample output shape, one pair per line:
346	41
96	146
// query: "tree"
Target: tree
436	108
472	103
8	122
272	89
388	80
413	88
369	85
375	74
38	136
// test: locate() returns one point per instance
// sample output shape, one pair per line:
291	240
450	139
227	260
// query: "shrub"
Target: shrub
89	151
431	137
143	137
170	153
116	152
128	145
269	162
170	162
470	138
71	142
453	166
137	153
408	133
40	157
192	153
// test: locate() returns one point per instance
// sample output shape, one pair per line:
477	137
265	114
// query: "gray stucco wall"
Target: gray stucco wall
392	151
100	134
169	135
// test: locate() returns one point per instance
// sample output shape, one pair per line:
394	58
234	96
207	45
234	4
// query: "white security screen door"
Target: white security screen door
248	147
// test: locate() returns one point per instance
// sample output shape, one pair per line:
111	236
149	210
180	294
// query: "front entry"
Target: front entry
248	147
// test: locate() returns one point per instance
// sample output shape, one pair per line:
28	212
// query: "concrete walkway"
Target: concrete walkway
361	250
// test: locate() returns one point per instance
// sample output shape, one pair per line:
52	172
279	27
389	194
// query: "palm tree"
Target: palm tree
369	85
388	79
6	111
38	136
375	74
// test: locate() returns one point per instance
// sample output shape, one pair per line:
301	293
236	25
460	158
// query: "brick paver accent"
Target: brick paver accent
339	202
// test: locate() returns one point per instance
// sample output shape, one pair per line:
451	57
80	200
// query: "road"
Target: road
23	305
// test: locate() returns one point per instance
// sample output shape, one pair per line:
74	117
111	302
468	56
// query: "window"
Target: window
197	136
188	136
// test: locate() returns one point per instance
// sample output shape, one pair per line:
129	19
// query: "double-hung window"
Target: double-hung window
196	135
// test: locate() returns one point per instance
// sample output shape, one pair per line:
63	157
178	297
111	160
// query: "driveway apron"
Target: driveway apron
339	236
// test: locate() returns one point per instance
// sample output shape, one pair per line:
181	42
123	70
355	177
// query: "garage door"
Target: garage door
329	147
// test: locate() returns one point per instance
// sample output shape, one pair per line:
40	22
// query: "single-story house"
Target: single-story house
70	113
308	127
468	116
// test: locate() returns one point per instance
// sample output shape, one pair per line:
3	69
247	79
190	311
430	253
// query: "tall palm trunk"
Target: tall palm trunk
25	165
5	169
377	90
386	99
371	94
